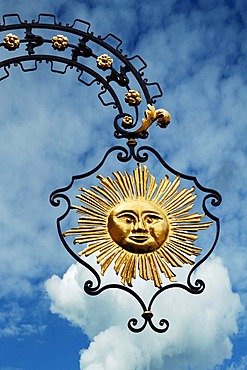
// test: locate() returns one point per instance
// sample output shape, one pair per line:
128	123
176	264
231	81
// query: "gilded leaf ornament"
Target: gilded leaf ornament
161	116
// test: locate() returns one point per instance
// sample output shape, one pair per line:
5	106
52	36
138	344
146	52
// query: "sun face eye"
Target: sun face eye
127	219
152	219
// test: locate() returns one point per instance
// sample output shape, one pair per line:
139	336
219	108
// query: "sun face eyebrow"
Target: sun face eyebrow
152	213
126	213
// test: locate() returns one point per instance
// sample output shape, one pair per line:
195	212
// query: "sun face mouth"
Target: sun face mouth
139	238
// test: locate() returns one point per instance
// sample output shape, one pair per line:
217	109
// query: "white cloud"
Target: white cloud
15	323
198	324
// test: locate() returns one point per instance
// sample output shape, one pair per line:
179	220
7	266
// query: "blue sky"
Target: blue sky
53	127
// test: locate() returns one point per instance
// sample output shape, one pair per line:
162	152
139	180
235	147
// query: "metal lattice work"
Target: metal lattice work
72	47
98	61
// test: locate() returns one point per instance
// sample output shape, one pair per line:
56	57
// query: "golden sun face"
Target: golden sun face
136	224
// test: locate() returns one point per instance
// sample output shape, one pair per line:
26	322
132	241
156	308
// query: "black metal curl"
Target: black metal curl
199	285
89	287
147	316
163	323
55	201
133	322
140	158
121	129
124	155
215	202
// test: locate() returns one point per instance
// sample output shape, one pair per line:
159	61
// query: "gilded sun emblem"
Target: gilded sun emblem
138	225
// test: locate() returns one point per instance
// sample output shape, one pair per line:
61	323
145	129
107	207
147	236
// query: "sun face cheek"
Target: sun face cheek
118	229
159	232
123	230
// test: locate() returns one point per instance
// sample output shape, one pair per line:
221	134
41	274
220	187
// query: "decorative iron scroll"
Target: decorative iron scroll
128	220
140	155
73	47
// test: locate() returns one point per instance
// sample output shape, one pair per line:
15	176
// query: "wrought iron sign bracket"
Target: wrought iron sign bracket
143	229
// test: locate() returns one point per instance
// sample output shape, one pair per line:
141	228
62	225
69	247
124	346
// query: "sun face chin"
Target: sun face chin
138	225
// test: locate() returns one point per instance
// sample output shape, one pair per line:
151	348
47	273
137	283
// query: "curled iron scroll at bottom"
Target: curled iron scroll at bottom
164	326
132	324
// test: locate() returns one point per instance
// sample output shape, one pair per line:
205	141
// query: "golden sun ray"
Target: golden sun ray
136	224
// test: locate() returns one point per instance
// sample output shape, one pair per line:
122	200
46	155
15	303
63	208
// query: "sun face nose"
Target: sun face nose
140	225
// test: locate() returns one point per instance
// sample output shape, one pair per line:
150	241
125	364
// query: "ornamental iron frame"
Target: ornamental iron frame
107	77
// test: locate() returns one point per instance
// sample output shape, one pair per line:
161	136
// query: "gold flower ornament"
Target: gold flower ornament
104	62
133	97
11	42
127	121
60	42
